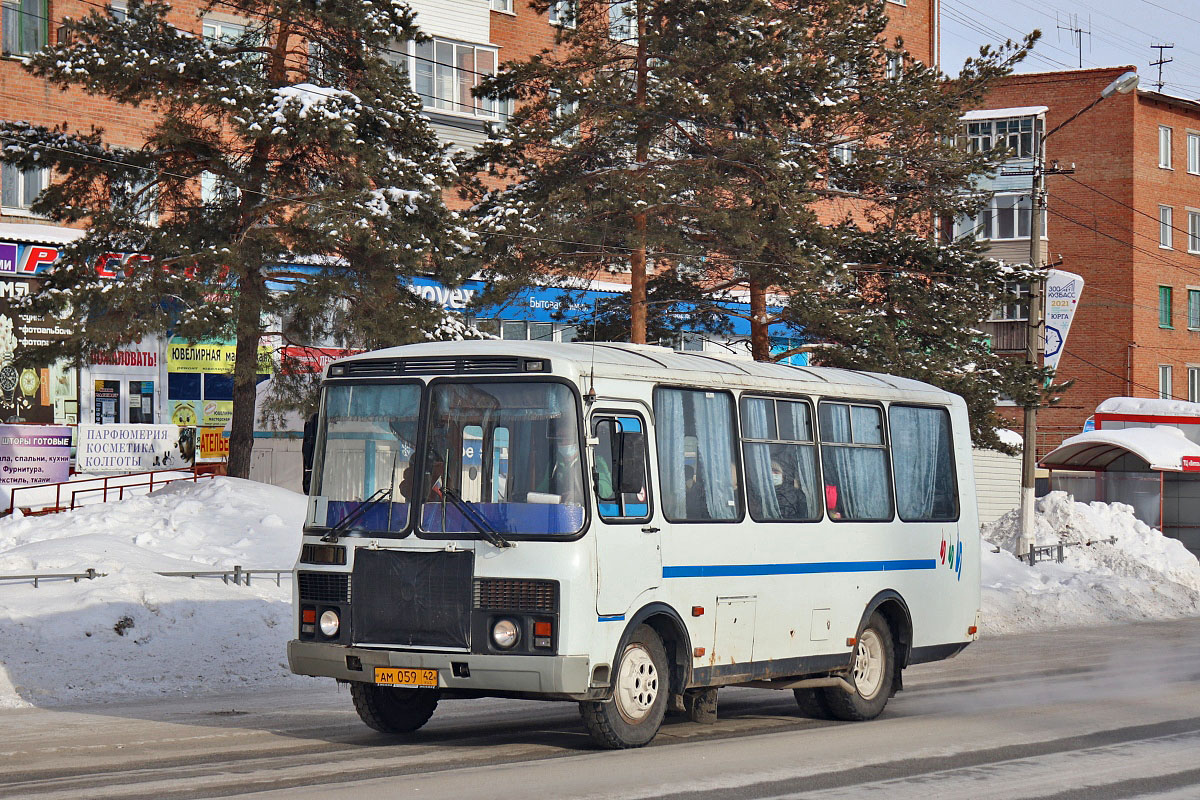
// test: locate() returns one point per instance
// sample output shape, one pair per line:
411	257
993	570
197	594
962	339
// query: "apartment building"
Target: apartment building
1127	219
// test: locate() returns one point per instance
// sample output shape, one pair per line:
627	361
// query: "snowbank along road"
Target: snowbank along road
1091	713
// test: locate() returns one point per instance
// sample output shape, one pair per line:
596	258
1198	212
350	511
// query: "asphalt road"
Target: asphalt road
1102	713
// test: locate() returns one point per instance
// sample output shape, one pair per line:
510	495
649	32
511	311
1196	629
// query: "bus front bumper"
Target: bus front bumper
562	676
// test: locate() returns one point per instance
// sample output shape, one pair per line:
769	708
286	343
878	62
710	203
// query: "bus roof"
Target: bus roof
617	360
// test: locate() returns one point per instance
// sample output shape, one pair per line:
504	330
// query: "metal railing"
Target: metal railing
81	487
237	575
1057	552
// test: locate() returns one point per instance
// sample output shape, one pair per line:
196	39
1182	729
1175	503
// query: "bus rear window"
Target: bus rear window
923	459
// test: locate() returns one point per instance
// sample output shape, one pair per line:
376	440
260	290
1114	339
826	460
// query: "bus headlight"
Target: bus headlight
505	634
330	623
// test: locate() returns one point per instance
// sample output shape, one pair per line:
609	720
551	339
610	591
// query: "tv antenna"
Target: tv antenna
1077	34
1161	48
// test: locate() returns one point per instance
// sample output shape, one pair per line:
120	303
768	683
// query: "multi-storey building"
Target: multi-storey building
1127	220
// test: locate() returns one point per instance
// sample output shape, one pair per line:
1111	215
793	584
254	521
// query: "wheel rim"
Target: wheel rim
868	664
637	684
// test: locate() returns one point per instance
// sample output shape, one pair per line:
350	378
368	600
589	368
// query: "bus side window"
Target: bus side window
697	461
855	462
923	460
619	469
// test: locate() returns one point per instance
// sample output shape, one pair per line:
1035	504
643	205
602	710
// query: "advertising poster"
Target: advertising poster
1063	290
134	448
34	453
45	394
213	443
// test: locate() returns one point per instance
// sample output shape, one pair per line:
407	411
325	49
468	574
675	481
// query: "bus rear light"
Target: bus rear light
971	631
697	611
698	652
851	642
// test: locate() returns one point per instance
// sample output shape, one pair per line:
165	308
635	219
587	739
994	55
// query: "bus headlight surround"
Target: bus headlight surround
505	634
330	623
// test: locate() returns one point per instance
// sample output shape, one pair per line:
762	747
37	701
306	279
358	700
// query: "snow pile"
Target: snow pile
1140	575
135	633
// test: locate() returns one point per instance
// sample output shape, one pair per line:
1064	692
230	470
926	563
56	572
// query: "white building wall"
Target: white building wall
997	484
462	20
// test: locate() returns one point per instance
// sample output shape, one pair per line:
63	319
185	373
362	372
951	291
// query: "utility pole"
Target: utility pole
1161	61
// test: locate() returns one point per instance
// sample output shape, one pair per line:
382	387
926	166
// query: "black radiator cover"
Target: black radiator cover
418	599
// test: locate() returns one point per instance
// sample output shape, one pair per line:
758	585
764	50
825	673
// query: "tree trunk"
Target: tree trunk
245	376
760	340
637	259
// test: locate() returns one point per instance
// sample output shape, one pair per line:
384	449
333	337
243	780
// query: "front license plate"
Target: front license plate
402	676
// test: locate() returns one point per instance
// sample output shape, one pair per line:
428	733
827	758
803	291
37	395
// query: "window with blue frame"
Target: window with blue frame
619	436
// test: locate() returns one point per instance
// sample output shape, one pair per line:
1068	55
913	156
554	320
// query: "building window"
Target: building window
565	109
622	21
1194	384
1194	231
563	13
445	72
19	188
1007	216
1164	147
140	197
1164	307
218	31
1016	134
503	5
894	66
840	154
25	23
1164	382
118	10
1166	216
1194	309
1193	148
1017	309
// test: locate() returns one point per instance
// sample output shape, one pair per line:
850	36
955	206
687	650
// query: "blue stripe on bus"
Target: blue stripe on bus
614	618
738	570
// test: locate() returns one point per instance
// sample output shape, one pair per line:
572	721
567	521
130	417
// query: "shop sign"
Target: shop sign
311	360
25	259
213	358
30	394
205	413
1191	463
34	453
213	443
134	448
123	358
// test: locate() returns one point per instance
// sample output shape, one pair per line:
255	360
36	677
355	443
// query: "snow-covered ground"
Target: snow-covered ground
137	634
1142	575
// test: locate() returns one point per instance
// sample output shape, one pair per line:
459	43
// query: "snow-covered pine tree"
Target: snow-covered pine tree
292	174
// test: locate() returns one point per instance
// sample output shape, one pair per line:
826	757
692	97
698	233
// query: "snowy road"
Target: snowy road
1103	713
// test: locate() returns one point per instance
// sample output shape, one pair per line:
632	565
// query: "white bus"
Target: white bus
630	528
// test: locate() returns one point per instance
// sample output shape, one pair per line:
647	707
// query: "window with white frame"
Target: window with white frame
1164	381
565	109
1007	216
503	5
840	155
1166	215
894	66
219	31
19	188
118	10
214	189
140	196
1194	384
444	73
563	13
1194	231
622	21
1015	133
1017	307
1164	147
1193	152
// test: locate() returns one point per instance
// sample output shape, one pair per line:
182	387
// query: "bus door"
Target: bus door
628	555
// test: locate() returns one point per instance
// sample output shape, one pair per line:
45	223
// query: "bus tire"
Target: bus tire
640	692
812	703
872	672
393	710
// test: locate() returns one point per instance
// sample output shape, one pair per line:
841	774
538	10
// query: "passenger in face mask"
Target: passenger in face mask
792	504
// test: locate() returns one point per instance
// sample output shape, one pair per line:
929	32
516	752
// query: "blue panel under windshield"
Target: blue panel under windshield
375	518
505	518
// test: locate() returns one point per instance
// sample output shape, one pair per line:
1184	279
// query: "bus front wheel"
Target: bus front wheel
390	710
872	672
640	691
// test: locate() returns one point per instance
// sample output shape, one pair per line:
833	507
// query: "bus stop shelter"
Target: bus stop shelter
1147	468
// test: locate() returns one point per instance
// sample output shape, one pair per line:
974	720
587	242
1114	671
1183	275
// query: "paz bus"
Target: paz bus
629	528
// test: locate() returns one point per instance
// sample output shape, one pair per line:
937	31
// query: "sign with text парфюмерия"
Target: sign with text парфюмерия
134	448
34	453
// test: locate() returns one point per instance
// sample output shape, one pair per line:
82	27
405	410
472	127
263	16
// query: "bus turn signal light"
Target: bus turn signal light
697	611
698	652
971	631
309	616
851	642
541	629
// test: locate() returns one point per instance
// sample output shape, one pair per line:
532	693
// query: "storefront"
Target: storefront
124	385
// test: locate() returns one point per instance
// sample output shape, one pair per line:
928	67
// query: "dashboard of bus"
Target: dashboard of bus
486	458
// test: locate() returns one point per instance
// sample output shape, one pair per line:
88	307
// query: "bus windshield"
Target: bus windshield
503	456
364	472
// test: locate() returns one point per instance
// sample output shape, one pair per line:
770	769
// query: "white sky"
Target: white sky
1121	33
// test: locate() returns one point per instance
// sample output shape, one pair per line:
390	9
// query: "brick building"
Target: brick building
1128	221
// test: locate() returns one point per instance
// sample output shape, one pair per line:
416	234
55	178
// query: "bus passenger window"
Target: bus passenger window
923	460
854	460
620	440
697	470
781	460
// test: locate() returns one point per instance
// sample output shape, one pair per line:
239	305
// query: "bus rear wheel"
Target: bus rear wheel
640	692
390	710
872	672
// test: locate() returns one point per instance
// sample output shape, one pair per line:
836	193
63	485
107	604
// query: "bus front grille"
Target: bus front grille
412	598
514	594
324	587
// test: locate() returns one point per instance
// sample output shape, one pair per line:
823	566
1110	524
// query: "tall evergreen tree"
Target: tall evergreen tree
322	185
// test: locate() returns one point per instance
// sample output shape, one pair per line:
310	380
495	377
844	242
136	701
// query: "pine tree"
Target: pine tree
324	186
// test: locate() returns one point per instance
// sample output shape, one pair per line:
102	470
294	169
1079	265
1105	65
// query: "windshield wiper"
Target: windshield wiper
350	518
477	520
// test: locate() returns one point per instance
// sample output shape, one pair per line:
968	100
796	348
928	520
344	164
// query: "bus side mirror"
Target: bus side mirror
607	439
308	450
631	465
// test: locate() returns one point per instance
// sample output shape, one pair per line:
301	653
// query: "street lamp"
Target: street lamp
1125	84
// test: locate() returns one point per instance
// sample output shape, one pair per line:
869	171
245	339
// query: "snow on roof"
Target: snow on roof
38	234
1149	407
1162	447
1000	113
